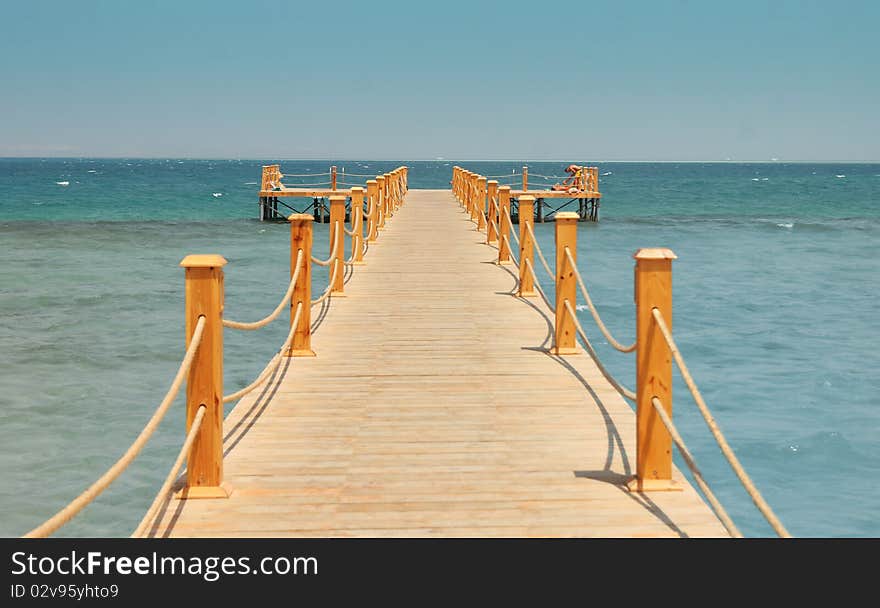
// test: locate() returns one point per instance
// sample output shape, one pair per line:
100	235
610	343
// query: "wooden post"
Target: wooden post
481	203
492	213
380	199
565	342
526	246
333	178
357	225
204	383
503	225
475	194
653	289
373	208
525	176
337	225
301	239
386	197
395	191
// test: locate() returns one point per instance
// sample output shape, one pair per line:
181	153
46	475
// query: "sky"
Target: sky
593	81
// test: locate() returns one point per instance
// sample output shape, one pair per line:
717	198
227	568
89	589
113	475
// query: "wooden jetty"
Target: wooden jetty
444	395
321	186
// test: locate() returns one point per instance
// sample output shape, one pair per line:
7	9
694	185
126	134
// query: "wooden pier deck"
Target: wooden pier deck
433	409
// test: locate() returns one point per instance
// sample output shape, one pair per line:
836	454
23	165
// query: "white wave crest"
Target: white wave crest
63	183
217	194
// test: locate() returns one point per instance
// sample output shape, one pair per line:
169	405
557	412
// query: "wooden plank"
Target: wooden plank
545	194
307	192
433	408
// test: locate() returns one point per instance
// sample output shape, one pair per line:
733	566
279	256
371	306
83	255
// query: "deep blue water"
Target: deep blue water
774	297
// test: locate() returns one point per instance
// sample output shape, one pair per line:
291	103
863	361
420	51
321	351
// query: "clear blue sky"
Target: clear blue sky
677	80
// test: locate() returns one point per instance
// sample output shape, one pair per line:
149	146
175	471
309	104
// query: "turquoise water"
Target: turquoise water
775	312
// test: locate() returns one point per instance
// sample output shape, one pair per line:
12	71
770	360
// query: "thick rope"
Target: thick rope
617	385
304	174
692	465
596	317
716	432
273	363
510	224
540	253
285	302
172	474
537	286
321	185
510	250
327	291
333	253
78	503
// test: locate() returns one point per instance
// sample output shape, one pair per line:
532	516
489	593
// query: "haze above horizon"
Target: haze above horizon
673	82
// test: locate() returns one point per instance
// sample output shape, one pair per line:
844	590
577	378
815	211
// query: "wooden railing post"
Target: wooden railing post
380	199
525	176
481	203
475	195
337	224
503	225
204	383
492	211
333	178
373	209
387	195
301	240
357	225
405	179
526	246
653	289
565	342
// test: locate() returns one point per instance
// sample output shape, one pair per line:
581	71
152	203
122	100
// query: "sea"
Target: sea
776	312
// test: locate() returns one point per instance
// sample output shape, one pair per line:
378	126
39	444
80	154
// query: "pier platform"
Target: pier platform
433	407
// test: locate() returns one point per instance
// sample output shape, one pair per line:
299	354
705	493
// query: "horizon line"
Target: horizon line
440	159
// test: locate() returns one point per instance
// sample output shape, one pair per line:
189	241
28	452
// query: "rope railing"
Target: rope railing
80	502
305	174
510	225
653	367
540	253
734	462
692	465
538	288
330	284
285	302
629	394
273	363
595	313
333	253
204	323
510	250
150	515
